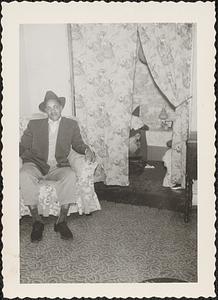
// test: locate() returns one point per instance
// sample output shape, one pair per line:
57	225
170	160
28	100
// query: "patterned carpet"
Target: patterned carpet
121	243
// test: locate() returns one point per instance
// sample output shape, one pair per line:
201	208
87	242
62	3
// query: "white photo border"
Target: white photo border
203	14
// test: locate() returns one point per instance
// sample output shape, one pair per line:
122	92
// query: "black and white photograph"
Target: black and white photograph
120	160
108	161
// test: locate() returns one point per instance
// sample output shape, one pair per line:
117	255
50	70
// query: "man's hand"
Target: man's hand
90	155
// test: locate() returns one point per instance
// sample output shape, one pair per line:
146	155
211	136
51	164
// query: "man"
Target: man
44	149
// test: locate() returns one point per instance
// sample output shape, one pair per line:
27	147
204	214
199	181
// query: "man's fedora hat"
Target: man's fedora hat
51	96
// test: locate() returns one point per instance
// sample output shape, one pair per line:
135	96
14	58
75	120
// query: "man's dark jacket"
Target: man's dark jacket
34	143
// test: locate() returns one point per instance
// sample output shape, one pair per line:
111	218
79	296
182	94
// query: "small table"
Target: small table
191	174
157	142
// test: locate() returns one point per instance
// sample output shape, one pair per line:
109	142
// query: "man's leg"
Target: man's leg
29	186
66	191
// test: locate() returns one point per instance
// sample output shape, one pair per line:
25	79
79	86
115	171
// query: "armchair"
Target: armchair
87	200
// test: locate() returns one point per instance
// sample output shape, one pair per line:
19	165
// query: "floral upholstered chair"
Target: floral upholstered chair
87	200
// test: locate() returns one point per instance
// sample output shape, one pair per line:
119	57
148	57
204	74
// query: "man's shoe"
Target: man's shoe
36	234
64	230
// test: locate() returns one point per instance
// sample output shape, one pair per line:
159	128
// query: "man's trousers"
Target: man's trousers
64	183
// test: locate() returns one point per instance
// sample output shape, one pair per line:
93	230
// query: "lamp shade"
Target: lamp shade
163	114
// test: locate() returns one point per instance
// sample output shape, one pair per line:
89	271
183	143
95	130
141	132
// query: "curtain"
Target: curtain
104	62
167	48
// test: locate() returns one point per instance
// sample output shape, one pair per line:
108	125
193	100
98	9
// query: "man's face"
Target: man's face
53	109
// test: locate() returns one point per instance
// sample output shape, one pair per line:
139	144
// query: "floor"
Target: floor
138	236
145	189
121	243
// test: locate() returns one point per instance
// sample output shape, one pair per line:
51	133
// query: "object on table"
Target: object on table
149	166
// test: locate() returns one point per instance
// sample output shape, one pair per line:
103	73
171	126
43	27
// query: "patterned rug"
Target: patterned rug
121	243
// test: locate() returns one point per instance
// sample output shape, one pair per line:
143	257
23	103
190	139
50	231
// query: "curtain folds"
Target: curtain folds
167	48
104	62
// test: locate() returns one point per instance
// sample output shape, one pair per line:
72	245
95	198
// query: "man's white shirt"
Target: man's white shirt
53	127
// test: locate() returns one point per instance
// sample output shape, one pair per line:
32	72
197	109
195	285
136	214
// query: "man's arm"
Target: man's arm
77	142
26	140
80	147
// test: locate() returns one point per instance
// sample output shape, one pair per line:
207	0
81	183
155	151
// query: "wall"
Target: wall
44	65
151	101
149	97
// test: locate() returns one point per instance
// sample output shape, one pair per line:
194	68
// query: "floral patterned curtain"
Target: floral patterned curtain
104	63
167	48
